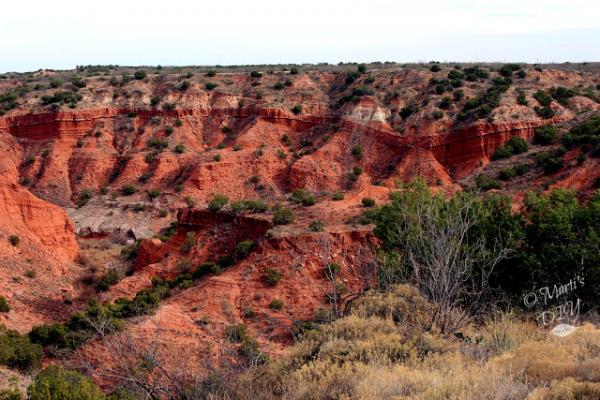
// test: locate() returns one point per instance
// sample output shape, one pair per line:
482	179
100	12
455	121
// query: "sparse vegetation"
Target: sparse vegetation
368	202
272	276
255	206
337	196
544	135
57	383
14	240
17	351
515	145
276	304
217	202
283	216
4	306
485	182
128	190
316	225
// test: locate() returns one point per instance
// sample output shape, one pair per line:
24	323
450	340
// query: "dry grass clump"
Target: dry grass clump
540	363
567	389
503	332
402	304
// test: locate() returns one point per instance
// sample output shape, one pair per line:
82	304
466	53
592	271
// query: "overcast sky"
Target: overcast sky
66	33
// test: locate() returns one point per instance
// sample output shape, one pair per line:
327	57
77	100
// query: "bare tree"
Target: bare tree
150	369
450	264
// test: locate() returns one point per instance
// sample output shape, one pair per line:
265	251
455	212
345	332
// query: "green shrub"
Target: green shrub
57	383
14	240
445	103
17	351
145	176
279	86
518	145
179	149
236	333
550	162
545	112
155	100
297	109
316	225
521	99
189	242
249	350
112	277
351	77
153	193
11	394
545	134
169	106
543	98
506	174
276	304
140	74
272	276
185	85
435	68
514	145
255	74
217	157
169	130
361	69
407	111
210	86
368	202
283	216
63	97
211	73
256	206
294	70
30	273
84	197
128	190
476	73
78	82
158	144
337	196
562	94
4	306
243	249
357	151
217	202
508	69
437	114
485	183
56	83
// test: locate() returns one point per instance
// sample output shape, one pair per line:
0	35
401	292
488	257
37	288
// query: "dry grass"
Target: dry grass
383	351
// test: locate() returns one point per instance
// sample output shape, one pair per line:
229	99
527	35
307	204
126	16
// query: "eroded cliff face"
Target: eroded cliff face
69	152
246	138
36	237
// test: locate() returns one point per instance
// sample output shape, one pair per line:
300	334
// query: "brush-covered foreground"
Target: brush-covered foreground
385	349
